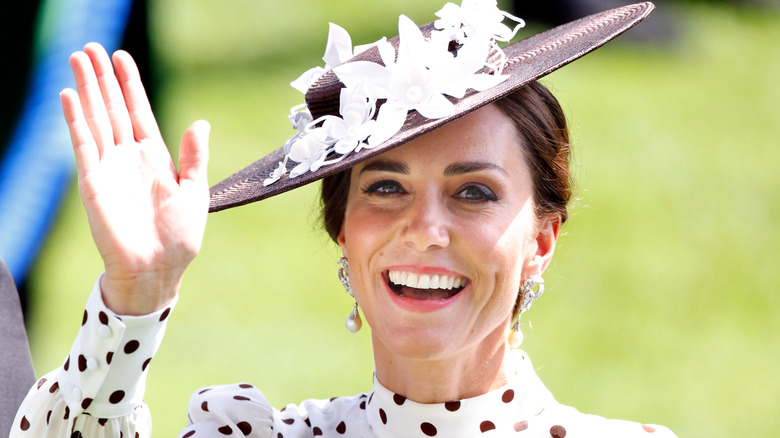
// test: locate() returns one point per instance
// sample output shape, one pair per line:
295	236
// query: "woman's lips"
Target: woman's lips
424	286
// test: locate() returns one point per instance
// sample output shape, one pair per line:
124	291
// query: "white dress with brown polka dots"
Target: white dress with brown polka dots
98	393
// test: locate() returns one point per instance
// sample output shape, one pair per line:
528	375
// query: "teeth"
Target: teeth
425	281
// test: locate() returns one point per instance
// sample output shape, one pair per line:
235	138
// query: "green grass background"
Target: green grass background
662	301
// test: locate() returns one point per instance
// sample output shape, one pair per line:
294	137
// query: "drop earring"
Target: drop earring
527	296
353	321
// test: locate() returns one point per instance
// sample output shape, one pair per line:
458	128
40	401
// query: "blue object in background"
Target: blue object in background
38	162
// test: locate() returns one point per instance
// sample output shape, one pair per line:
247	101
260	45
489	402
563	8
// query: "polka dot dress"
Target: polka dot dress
98	391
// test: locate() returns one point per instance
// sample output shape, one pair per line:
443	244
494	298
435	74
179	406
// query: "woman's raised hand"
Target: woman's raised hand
147	218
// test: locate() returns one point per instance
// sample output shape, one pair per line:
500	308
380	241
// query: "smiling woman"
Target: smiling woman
446	185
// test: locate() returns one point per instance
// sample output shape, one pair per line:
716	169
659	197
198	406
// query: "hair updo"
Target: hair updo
542	127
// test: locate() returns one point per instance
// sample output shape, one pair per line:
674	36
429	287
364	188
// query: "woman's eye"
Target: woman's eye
384	188
477	193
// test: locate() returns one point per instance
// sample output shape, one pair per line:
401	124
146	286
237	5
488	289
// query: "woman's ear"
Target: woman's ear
547	237
342	241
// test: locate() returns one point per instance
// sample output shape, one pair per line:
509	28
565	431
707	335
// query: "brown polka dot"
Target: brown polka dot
54	387
67	364
399	399
508	396
131	346
452	406
188	434
145	364
24	425
102	421
82	363
67	413
48	417
341	428
521	426
116	397
382	416
76	434
225	430
85	403
204	390
288	421
84	318
486	426
41	382
370	398
279	435
165	314
363	405
244	427
557	432
109	357
240	398
332	398
648	428
205	406
308	422
103	318
316	431
428	429
245	386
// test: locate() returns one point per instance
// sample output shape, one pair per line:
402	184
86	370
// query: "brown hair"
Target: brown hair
542	126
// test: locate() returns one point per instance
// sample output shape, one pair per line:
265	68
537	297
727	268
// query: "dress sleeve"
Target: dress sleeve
98	391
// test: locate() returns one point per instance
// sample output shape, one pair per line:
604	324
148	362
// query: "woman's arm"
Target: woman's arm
147	218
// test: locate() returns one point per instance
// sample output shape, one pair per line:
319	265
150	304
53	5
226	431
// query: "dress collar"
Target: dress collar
497	412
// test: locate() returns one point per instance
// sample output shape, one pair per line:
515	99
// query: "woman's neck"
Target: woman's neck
455	377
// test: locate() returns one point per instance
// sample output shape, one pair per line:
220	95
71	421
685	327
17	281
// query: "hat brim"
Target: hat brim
527	60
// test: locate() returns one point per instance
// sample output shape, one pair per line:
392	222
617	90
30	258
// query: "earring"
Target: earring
344	275
527	290
353	321
515	335
528	297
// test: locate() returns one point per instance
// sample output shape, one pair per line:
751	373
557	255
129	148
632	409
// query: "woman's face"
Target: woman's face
440	233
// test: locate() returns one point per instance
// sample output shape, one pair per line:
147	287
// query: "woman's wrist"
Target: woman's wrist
138	294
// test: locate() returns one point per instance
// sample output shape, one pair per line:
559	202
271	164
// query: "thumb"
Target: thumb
194	153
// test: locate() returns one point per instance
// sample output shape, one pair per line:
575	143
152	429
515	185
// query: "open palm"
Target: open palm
147	218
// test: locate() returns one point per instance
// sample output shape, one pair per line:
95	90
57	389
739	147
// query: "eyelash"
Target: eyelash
379	188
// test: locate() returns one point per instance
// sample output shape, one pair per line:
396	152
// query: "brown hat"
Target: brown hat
396	90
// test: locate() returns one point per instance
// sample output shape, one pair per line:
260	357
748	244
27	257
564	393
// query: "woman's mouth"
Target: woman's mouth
424	286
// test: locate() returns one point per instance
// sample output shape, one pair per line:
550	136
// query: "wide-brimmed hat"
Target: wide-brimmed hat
373	98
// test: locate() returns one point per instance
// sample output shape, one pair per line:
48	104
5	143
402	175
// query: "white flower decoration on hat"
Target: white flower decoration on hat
419	77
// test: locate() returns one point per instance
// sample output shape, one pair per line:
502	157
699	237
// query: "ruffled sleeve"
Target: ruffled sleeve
98	391
241	410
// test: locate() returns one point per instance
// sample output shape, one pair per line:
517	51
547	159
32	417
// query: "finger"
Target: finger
194	153
144	125
112	93
91	98
84	147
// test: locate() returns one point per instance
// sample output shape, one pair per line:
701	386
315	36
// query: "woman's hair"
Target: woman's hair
542	128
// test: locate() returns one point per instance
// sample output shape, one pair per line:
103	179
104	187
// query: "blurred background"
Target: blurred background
662	301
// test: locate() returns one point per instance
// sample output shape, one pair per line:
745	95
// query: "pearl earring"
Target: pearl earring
353	321
528	296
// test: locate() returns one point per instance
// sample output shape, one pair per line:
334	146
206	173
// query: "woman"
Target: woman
446	200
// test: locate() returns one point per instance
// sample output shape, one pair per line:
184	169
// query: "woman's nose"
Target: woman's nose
426	223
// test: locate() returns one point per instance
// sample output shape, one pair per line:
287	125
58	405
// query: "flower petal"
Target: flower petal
338	48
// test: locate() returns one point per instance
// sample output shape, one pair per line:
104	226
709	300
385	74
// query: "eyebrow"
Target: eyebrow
471	167
386	166
454	169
